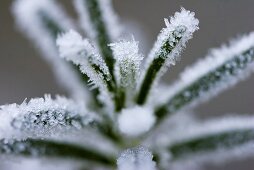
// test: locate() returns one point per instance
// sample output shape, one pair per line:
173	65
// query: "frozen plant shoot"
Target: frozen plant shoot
115	115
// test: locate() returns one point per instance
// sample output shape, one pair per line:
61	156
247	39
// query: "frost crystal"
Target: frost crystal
218	57
136	159
166	50
74	48
42	116
136	120
128	62
36	19
177	32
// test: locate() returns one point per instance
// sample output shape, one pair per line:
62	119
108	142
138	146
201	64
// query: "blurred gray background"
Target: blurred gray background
23	74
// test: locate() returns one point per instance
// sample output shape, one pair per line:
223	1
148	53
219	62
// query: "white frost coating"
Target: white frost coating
74	48
128	62
183	24
136	159
110	19
181	21
72	45
216	58
27	17
136	120
42	116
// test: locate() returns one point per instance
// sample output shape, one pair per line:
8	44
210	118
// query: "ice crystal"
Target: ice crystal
80	51
136	159
42	116
128	62
74	48
177	32
236	48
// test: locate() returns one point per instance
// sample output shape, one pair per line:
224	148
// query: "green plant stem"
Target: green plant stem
150	76
121	98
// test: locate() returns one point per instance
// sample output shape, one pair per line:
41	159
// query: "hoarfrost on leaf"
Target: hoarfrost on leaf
166	50
43	116
177	32
128	62
136	159
36	19
81	52
218	57
74	48
95	14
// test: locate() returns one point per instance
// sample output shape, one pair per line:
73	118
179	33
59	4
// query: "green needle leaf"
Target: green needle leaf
44	148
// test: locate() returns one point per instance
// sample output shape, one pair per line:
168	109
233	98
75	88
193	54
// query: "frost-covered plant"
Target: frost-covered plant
119	115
